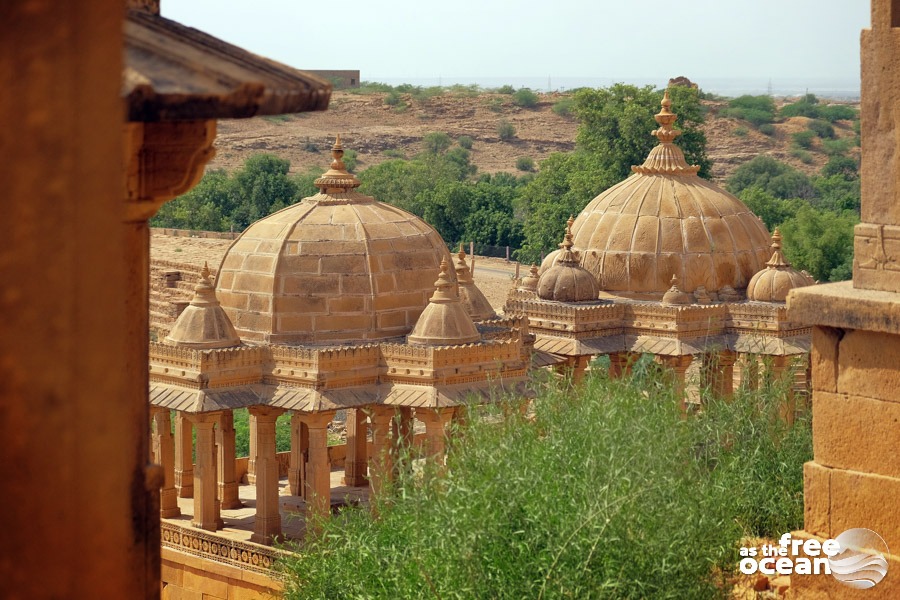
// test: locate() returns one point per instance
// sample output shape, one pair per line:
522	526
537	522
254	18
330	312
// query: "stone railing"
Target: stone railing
244	555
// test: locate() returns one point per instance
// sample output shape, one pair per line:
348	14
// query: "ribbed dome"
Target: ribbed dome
445	321
565	280
666	220
472	298
335	267
773	283
203	323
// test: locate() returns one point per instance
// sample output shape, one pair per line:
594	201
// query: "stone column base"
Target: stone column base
229	494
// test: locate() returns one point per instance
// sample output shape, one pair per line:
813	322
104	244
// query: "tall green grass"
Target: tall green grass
604	491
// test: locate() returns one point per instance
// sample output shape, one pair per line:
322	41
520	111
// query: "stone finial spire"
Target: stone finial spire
445	321
337	179
445	290
530	281
463	273
666	158
203	324
778	260
675	295
666	118
568	255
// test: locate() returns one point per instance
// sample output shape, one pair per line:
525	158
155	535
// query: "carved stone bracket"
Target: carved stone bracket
162	161
876	264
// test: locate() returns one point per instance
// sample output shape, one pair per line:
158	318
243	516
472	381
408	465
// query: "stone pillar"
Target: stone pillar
436	421
251	459
579	366
781	373
853	480
620	364
750	378
184	456
206	504
382	459
718	372
356	463
299	456
267	522
228	485
164	451
318	469
678	366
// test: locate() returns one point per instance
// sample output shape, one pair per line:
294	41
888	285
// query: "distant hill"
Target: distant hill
380	126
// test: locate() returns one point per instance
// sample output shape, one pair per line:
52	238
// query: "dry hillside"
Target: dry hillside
371	127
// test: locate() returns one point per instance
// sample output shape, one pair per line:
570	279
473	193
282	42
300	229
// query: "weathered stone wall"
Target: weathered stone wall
186	577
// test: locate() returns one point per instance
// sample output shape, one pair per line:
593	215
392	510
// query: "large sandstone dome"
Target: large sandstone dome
336	267
665	220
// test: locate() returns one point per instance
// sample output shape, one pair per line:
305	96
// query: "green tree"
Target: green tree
773	211
775	177
525	98
261	187
616	123
759	110
200	208
436	142
821	242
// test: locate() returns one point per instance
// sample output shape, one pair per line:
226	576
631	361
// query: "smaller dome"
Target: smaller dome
675	295
566	280
773	283
472	298
444	322
203	323
529	283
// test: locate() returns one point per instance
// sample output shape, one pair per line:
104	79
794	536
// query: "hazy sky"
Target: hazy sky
560	38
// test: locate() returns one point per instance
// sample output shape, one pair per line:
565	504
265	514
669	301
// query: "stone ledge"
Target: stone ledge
843	306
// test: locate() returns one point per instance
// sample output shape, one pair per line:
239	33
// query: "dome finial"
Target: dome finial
567	242
462	253
204	272
778	260
675	295
443	283
337	179
666	118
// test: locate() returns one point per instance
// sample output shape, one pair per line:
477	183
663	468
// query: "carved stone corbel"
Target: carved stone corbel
162	161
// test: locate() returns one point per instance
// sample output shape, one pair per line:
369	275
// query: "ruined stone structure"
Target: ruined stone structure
854	477
671	255
334	307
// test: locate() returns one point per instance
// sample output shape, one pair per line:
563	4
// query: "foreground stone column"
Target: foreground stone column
228	485
267	522
164	451
382	460
436	421
356	463
318	469
678	366
620	364
184	456
206	504
299	456
251	459
718	372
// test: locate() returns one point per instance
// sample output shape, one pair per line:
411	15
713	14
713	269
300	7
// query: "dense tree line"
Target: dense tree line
528	212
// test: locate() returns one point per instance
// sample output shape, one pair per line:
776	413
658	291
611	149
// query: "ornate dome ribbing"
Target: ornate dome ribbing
336	267
664	220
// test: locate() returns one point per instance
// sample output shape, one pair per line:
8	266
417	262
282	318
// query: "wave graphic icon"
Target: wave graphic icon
860	563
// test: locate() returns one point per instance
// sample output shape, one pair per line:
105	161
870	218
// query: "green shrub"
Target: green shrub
350	159
495	104
525	98
838	112
605	492
506	89
525	163
806	107
393	98
464	141
394	153
837	147
766	129
804	139
564	107
741	131
804	156
758	110
821	128
845	166
436	142
506	130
